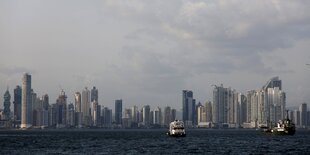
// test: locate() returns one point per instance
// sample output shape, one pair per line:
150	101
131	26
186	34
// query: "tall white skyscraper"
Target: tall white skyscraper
77	101
26	102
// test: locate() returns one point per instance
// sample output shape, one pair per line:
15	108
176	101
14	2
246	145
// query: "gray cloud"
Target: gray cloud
145	50
13	70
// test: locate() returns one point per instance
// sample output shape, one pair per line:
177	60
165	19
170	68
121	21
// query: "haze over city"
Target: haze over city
147	52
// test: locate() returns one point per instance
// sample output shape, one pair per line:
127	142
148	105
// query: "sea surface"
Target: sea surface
97	141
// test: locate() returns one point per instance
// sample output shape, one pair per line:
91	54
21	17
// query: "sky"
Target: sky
147	52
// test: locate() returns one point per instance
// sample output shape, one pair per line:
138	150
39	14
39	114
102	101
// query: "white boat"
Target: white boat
176	129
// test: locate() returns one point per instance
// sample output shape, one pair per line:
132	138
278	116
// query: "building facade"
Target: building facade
26	109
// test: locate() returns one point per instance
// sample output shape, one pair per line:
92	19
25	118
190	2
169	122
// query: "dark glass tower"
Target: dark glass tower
17	102
118	111
188	106
94	95
7	104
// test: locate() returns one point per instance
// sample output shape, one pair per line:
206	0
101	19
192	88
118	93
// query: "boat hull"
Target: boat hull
176	134
282	132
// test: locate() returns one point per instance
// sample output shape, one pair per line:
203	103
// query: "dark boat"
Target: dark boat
284	127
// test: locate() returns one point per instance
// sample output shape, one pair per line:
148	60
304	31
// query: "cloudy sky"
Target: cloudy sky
147	52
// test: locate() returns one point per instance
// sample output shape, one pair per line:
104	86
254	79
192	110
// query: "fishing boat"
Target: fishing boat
283	127
176	129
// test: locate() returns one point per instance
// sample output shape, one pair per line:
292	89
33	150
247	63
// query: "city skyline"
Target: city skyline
147	52
228	109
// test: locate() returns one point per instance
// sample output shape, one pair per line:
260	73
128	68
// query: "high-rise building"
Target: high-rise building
78	101
45	102
37	106
188	104
257	108
303	115
308	119
242	101
71	115
146	115
126	119
17	103
106	117
134	114
61	110
219	105
173	114
44	111
26	112
265	106
94	94
272	83
118	111
208	107
296	119
201	113
167	116
86	106
274	100
52	112
226	108
95	113
7	105
157	116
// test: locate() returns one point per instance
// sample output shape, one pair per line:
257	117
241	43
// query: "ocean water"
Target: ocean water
97	141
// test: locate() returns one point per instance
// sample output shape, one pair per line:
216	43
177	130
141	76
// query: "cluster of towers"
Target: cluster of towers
228	109
231	109
31	111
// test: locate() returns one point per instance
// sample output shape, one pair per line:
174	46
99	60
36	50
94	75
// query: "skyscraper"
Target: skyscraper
219	107
146	111
17	103
243	108
94	94
26	102
208	106
167	116
303	115
44	110
78	109
134	114
77	101
274	100
95	112
71	115
188	103
106	117
86	106
173	114
118	111
7	104
201	113
61	110
157	116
